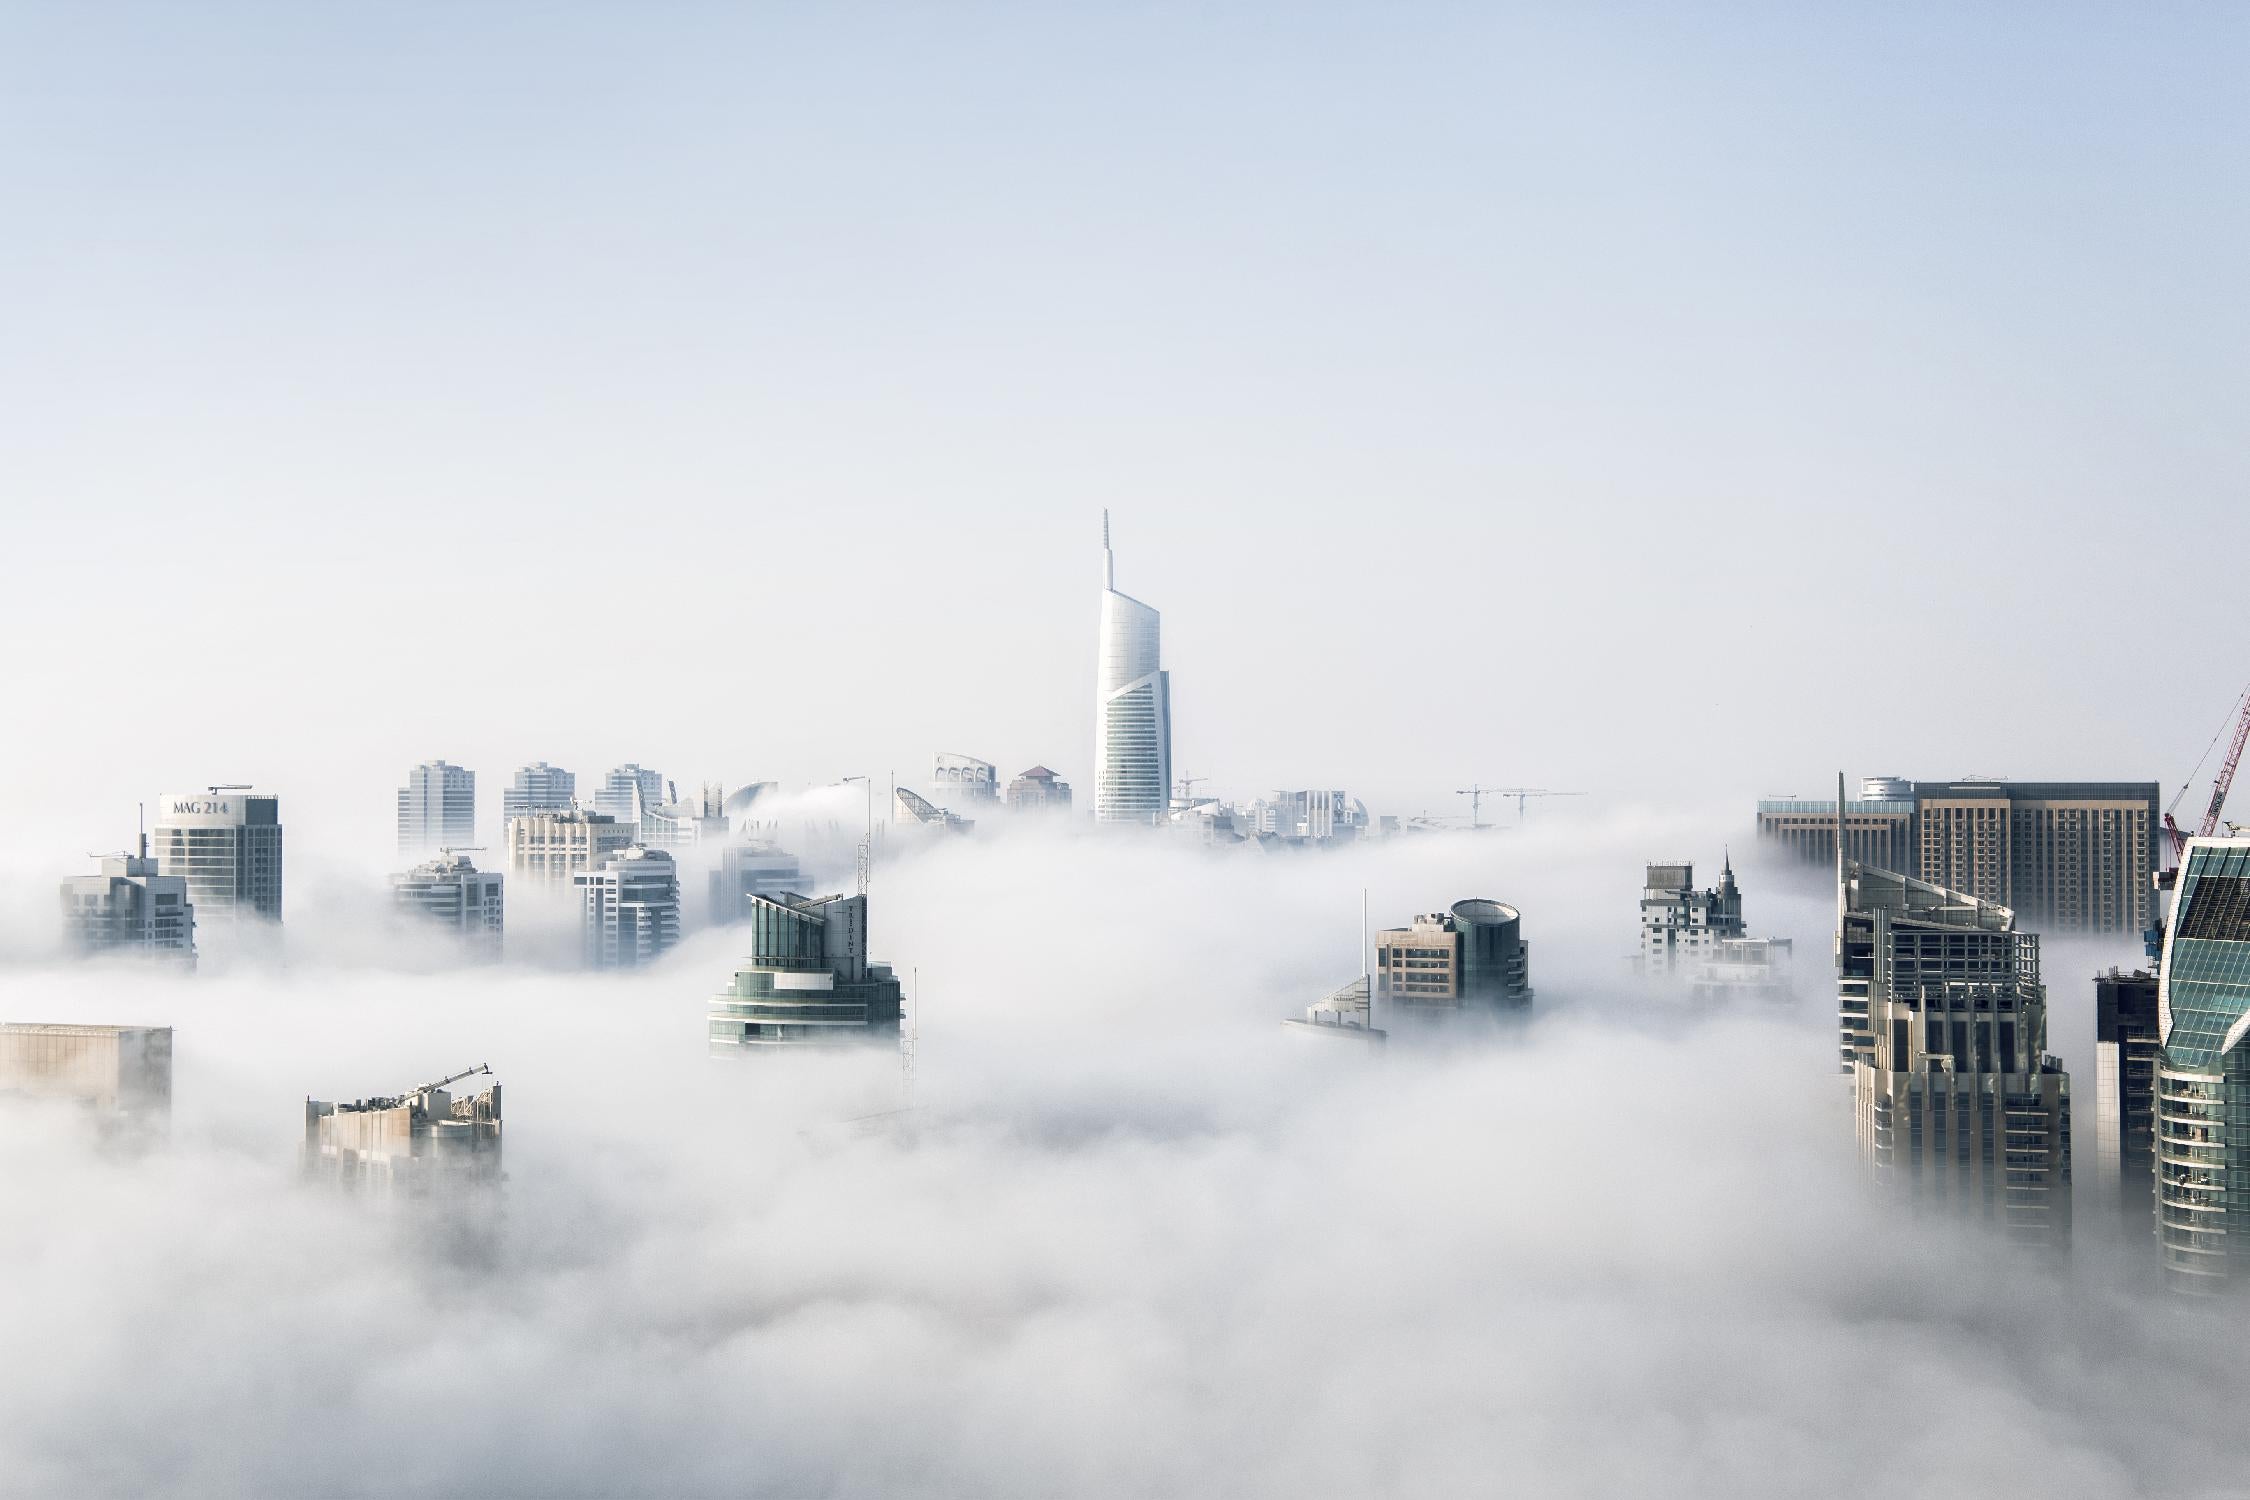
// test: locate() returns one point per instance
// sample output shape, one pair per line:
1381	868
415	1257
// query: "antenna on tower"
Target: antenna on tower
141	822
1109	558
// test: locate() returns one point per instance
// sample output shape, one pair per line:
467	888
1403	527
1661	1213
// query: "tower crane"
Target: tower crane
2220	784
1523	794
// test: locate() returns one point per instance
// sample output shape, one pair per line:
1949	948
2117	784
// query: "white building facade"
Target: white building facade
225	842
437	808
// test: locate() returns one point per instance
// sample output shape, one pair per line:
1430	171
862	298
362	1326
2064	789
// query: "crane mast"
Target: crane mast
2220	785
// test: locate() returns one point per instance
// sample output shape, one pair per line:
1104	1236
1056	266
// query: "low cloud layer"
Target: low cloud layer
1131	1240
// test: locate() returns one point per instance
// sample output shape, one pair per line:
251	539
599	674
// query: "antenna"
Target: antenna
913	1034
141	822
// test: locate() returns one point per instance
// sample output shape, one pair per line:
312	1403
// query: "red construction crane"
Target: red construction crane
2219	785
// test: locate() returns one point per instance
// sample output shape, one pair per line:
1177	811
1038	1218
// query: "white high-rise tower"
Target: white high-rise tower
1133	708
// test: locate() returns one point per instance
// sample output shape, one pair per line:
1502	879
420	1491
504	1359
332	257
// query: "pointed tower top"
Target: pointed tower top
1109	558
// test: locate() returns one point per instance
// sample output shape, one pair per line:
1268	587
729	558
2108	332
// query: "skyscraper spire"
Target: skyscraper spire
1109	558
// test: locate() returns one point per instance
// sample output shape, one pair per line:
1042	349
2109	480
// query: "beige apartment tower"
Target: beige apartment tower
550	848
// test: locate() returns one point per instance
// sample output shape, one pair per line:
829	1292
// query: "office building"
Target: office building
1944	1018
2203	1072
539	787
2075	856
1039	790
1681	927
451	894
437	809
225	842
2127	1041
123	1072
808	981
1346	1014
1133	707
628	791
1468	961
747	870
420	1141
546	849
631	909
965	784
130	908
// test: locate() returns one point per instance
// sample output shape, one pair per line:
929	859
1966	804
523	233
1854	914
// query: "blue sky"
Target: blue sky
1551	394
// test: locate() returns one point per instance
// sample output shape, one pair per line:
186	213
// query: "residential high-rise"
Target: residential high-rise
454	895
2065	856
2126	1045
683	825
747	870
965	783
628	792
1133	707
1681	927
418	1141
226	844
1755	970
437	808
119	1071
539	787
1878	828
808	981
1469	960
547	848
1944	1023
632	908
2203	1072
1039	790
129	908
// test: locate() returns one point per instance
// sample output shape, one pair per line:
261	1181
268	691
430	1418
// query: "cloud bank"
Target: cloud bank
1130	1240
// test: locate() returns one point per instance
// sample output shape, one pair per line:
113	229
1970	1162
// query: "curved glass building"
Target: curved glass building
2203	1072
1132	708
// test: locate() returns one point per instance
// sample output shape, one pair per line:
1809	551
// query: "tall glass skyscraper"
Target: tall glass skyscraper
2203	1072
1133	707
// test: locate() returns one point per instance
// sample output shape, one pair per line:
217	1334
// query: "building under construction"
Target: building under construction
423	1139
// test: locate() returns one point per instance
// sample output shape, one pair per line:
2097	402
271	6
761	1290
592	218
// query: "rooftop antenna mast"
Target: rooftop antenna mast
912	1035
1109	558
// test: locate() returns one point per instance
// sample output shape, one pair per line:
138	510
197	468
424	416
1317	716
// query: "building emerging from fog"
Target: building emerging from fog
437	808
684	825
1347	1014
1039	790
129	908
747	870
628	791
631	909
1681	927
1302	817
226	844
2126	1044
1468	961
1758	970
120	1072
548	849
452	894
913	809
808	981
2065	856
1133	707
414	1142
1944	1031
2203	1072
539	787
964	783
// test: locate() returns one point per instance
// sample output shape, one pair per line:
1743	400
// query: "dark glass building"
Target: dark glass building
808	980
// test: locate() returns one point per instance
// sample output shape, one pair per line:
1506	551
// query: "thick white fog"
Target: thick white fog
1130	1238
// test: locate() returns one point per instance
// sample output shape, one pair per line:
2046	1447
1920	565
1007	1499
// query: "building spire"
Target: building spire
1109	558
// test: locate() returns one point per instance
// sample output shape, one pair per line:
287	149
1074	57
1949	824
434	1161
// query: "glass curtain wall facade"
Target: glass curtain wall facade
2203	1073
1133	708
